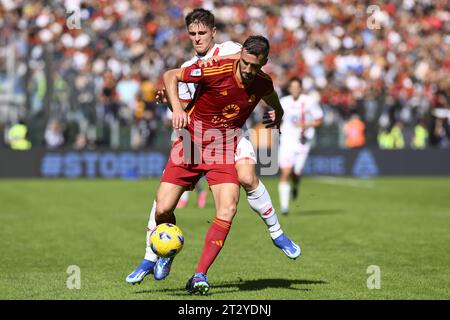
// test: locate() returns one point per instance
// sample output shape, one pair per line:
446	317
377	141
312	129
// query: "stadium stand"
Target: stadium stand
94	66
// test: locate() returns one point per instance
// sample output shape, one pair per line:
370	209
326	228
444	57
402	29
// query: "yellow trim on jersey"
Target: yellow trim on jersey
211	69
218	67
218	72
190	111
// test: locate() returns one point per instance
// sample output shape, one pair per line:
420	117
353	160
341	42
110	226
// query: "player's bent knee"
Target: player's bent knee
247	176
226	212
249	181
285	174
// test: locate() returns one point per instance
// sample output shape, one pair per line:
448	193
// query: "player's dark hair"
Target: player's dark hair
257	45
295	78
202	16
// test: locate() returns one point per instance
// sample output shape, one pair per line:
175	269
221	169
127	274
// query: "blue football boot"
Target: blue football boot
162	268
198	283
144	268
291	249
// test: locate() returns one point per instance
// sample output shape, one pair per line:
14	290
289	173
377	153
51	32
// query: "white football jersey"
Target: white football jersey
186	90
305	109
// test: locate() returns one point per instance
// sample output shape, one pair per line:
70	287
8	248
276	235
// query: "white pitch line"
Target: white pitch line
349	182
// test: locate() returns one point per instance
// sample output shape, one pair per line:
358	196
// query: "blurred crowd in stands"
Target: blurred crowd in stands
382	76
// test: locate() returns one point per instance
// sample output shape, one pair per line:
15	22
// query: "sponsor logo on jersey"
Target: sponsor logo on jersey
230	111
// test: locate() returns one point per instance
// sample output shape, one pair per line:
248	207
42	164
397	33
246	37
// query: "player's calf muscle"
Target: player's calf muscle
226	198
164	204
166	200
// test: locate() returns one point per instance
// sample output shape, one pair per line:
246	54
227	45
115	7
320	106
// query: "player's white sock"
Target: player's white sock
284	190
149	254
260	202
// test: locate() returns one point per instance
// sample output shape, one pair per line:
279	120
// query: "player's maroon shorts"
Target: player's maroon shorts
187	175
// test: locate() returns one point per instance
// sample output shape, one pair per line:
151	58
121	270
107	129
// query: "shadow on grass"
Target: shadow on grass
244	285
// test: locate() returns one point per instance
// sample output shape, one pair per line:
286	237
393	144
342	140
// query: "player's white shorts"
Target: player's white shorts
245	151
293	156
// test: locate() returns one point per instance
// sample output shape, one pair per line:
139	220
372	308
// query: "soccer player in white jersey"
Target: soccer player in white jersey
302	114
201	30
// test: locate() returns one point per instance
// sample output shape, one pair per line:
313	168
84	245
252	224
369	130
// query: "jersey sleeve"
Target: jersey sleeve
192	74
268	89
186	91
265	84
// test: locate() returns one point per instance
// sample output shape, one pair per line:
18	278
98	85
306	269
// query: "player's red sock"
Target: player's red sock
214	241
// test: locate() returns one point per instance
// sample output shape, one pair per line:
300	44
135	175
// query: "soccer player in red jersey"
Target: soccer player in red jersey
202	32
226	95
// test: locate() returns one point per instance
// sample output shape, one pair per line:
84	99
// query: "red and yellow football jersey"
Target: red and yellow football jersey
221	101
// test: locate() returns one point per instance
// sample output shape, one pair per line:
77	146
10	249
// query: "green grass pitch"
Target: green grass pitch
401	225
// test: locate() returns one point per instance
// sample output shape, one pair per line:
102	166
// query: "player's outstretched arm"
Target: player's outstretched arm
180	118
273	101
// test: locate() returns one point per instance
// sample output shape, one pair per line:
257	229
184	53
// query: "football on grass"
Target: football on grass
166	240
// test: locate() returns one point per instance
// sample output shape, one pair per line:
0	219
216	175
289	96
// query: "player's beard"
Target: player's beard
247	77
